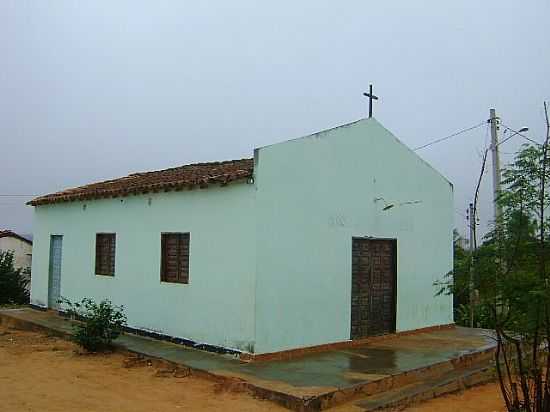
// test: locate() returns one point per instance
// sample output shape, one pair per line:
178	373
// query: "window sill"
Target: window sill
163	282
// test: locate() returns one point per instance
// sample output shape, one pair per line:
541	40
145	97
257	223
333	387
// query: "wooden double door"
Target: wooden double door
373	287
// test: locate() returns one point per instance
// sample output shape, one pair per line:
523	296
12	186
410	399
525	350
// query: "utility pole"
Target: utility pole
494	120
471	242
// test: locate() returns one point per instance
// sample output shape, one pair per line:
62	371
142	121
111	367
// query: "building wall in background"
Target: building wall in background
22	251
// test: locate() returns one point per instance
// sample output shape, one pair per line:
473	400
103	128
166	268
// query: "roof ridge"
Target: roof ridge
189	165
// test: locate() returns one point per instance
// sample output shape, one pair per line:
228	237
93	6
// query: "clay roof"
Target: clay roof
9	233
176	178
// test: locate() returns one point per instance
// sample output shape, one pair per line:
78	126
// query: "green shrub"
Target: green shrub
13	282
100	323
482	317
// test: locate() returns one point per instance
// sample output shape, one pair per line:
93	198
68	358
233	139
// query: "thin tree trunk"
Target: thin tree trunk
523	378
499	372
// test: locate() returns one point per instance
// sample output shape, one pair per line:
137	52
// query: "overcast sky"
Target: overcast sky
97	89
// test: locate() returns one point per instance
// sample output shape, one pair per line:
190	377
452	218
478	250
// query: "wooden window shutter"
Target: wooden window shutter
105	249
174	265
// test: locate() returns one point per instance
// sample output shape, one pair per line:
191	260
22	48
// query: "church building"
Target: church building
326	239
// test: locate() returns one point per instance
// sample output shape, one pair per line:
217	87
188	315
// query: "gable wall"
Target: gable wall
215	307
313	195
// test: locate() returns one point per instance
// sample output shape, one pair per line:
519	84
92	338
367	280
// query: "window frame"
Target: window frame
97	250
180	279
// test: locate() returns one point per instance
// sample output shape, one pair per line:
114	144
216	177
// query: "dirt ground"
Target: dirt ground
484	398
46	374
41	373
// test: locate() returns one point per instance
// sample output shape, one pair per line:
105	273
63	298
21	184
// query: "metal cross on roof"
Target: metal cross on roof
371	97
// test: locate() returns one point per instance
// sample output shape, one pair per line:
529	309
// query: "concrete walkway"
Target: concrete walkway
314	381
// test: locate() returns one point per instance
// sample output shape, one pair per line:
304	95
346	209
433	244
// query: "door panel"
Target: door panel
54	280
373	287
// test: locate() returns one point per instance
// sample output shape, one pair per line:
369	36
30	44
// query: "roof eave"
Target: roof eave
156	188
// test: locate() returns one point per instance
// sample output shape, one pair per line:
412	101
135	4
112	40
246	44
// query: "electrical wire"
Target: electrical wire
505	140
476	196
449	136
461	214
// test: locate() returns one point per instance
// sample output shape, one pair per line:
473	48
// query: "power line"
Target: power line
505	140
11	204
461	214
449	136
476	195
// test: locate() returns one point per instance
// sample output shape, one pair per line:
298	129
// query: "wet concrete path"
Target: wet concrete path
309	375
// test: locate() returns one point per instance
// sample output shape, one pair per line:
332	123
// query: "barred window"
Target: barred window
174	266
105	244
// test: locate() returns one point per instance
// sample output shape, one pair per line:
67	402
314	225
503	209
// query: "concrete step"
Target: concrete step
404	396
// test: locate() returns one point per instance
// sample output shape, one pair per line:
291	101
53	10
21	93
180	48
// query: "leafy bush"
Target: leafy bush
100	323
13	282
482	316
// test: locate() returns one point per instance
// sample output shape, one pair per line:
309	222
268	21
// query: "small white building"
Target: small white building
20	246
329	238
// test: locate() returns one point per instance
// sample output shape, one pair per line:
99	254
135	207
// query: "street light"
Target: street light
520	131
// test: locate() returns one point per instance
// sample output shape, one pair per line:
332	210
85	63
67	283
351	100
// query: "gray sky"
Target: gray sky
98	89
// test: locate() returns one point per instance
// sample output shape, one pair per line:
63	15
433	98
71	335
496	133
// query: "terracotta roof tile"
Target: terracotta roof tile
176	178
